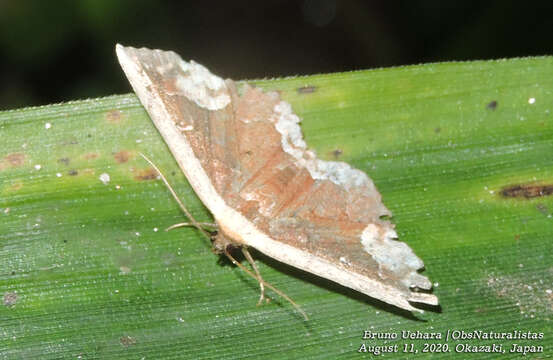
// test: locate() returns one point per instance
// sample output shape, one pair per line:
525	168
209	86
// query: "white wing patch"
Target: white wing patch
205	89
340	173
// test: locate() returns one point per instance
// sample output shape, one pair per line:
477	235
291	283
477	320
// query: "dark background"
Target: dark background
59	50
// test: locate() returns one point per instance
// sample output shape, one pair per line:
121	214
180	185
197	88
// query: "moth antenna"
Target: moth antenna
183	208
233	260
259	278
184	224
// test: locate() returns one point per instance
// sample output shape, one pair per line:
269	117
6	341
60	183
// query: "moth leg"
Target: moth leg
286	297
259	278
184	224
183	208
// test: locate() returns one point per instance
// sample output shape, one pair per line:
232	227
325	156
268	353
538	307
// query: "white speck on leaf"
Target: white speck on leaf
47	125
104	178
38	167
531	100
58	174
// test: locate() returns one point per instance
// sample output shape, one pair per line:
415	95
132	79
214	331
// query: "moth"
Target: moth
243	153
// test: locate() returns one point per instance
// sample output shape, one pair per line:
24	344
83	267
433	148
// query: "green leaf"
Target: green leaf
462	154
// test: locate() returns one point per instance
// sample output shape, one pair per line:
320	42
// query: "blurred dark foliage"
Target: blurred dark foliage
59	50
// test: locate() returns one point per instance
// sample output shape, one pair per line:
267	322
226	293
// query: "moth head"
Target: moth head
220	243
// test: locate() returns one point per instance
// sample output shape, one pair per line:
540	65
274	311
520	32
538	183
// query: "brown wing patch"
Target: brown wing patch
288	195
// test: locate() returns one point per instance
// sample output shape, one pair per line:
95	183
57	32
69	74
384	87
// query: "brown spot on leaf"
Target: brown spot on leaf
437	130
17	186
492	105
146	174
10	298
15	159
307	89
526	291
337	153
114	116
526	191
73	172
127	341
121	156
90	156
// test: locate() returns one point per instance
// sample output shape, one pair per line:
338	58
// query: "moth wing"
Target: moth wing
243	153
